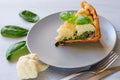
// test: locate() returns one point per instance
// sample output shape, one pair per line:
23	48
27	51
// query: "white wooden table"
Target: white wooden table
9	10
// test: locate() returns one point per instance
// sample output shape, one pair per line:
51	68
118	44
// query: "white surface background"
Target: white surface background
9	10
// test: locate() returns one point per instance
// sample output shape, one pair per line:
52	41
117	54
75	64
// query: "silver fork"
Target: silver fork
96	68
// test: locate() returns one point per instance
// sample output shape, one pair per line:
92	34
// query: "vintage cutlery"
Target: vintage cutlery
103	74
98	67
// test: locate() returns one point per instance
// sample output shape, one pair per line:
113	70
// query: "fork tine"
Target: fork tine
109	55
107	59
108	63
101	62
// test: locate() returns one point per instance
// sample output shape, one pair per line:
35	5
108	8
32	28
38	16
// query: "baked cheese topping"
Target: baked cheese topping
68	31
83	28
65	31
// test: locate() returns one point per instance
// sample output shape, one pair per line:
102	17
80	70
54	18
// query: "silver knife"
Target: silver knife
103	74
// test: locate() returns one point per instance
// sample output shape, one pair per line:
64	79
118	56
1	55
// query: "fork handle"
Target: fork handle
77	74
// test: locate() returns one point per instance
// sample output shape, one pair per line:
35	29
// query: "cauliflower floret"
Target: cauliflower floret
28	66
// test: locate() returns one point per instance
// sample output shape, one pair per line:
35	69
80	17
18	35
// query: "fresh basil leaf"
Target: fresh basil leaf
64	15
82	19
72	19
68	16
16	50
13	31
29	16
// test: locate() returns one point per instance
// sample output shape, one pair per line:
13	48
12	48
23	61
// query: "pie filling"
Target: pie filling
82	28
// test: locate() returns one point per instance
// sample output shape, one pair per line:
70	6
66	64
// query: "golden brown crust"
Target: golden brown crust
89	10
95	17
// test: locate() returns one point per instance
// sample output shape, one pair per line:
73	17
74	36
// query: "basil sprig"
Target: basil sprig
72	18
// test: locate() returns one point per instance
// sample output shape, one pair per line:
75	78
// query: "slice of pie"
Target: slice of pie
82	26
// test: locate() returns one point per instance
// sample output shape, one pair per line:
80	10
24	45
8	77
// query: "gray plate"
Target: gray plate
41	40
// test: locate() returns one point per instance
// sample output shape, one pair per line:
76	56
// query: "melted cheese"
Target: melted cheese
83	28
66	30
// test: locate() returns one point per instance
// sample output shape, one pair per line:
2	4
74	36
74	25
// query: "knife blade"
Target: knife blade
103	74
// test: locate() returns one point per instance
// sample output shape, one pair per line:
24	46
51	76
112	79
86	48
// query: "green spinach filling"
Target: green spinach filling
83	36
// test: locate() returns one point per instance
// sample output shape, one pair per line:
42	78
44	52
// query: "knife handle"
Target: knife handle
77	74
